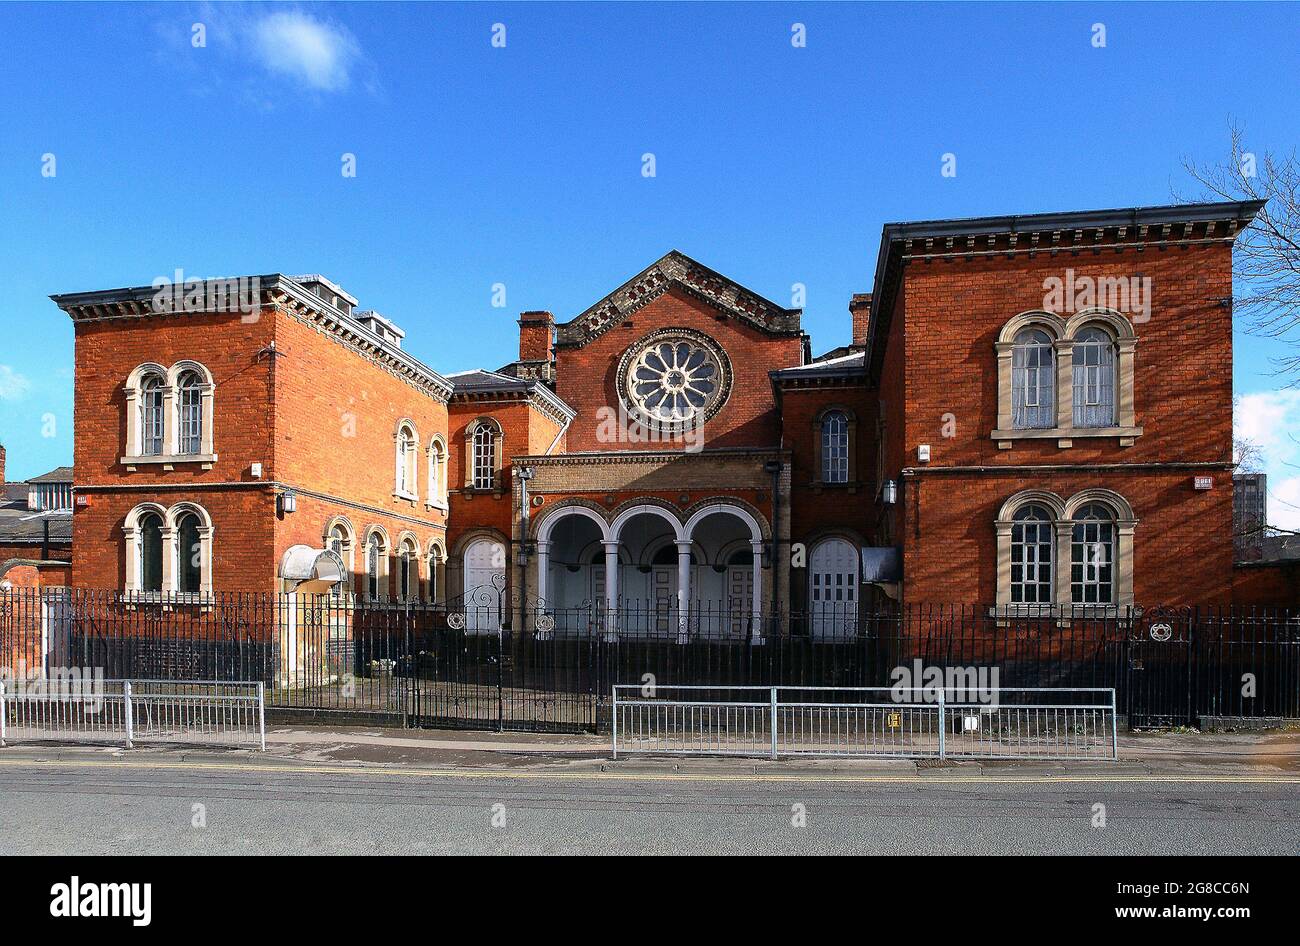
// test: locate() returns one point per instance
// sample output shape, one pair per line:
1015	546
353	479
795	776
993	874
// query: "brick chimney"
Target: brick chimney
860	309
2	464
536	335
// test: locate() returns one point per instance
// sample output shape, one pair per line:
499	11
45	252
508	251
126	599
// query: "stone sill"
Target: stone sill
1064	436
168	462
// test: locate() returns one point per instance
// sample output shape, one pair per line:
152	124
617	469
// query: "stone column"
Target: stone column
756	618
611	590
683	591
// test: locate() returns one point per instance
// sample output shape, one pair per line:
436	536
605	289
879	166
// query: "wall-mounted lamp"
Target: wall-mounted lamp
287	502
889	493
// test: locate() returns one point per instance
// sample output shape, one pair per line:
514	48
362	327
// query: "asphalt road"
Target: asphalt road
148	807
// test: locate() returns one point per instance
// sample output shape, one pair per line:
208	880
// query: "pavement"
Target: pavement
369	790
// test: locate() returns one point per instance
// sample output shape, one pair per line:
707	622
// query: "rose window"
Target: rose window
673	380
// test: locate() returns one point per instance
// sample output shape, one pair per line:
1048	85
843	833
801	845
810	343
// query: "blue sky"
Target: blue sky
522	165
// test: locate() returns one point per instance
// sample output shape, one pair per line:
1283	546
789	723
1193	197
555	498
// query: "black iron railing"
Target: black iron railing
485	661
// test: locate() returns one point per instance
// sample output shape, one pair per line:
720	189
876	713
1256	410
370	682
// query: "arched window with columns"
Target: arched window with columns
1066	378
437	486
1066	553
483	451
169	550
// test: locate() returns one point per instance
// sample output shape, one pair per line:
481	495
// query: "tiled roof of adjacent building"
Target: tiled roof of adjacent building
60	474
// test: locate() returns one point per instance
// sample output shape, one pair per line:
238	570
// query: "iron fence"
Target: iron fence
495	662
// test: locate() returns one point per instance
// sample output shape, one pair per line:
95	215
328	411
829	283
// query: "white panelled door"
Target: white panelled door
485	571
833	589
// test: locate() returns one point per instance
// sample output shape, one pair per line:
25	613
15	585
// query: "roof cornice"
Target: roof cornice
275	291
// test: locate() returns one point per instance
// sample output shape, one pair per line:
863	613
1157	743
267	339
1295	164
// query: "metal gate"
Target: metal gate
463	675
1161	657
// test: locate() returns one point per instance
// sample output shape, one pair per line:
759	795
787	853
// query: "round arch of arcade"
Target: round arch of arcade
706	559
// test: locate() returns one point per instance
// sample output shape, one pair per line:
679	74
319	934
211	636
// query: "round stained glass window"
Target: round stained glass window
675	377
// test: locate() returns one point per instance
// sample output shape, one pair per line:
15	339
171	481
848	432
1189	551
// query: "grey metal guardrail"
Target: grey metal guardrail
202	712
774	722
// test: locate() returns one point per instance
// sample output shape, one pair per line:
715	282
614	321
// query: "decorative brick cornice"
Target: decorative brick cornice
676	270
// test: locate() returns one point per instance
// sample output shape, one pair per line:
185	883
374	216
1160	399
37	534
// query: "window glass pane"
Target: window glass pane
1033	381
191	414
1094	379
151	553
189	563
1031	556
151	417
835	448
1092	554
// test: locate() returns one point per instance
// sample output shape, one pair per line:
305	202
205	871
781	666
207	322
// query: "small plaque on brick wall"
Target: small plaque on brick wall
1203	482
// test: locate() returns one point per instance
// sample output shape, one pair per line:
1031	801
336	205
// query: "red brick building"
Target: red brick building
1032	410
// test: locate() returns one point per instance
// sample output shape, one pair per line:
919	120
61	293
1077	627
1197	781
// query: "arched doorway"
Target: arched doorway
833	580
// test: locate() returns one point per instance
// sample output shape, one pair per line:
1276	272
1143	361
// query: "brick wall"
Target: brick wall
586	376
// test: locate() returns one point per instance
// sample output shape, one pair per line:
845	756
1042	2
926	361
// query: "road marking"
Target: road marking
655	777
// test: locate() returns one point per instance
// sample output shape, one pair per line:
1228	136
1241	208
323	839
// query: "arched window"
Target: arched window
1094	378
190	428
1092	556
189	557
407	447
374	568
340	543
408	571
835	447
1032	538
483	456
435	573
151	416
150	546
437	473
1033	380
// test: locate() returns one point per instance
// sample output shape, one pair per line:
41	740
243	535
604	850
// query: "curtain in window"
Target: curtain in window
151	417
191	414
1033	381
1094	379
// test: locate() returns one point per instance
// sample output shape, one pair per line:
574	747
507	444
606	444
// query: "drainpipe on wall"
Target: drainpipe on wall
774	467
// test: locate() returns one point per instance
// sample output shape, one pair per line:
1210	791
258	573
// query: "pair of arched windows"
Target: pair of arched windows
1034	379
406	477
1075	552
169	550
169	413
1092	556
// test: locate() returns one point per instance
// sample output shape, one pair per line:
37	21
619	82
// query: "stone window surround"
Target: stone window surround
404	434
171	454
381	577
1062	512
348	551
409	546
497	453
438	456
1063	332
852	483
170	572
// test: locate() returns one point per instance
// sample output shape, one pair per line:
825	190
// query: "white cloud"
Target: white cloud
13	386
316	52
1271	419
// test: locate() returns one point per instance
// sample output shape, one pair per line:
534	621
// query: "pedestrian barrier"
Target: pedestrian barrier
133	711
877	722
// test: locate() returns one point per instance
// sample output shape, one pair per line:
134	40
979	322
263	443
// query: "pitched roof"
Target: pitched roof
60	474
677	270
21	526
481	381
